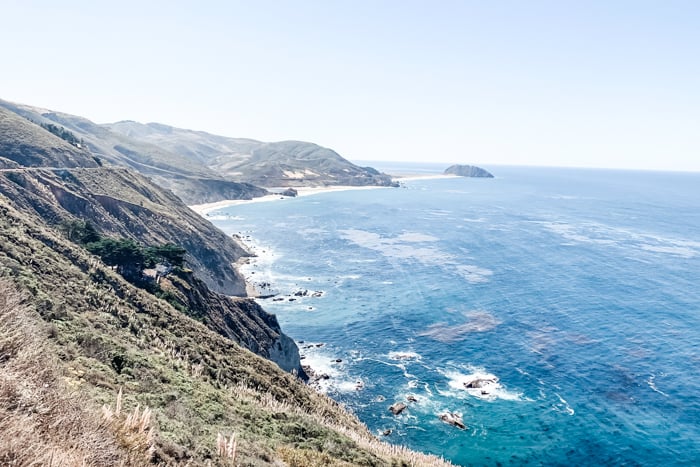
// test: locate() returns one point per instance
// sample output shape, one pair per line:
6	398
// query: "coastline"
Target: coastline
205	208
257	254
254	251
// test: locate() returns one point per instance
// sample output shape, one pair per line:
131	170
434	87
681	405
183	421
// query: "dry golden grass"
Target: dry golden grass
41	423
226	448
172	364
360	435
133	429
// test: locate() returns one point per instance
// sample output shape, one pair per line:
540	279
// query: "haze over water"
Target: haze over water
576	288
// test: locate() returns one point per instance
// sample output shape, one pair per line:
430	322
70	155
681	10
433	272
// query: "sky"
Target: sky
596	83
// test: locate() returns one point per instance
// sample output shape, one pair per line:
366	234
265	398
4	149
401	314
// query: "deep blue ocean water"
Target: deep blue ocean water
578	289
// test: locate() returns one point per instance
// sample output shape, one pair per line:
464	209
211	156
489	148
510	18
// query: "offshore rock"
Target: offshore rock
468	171
453	419
397	408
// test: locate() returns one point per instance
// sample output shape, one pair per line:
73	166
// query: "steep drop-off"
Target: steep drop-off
175	386
121	203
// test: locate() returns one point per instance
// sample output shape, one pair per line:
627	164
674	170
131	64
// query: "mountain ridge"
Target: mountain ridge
201	167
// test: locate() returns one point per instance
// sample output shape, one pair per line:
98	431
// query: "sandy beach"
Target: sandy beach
204	209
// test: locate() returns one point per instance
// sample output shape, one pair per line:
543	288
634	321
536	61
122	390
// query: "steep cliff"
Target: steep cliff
122	203
239	319
95	370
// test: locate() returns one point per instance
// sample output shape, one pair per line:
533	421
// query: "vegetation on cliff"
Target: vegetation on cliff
108	335
97	371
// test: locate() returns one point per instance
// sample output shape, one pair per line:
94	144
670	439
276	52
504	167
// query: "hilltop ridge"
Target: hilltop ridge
200	167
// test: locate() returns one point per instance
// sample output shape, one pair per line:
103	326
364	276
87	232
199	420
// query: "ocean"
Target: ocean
569	299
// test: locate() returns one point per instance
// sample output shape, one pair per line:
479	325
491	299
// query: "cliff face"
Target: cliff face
467	171
122	203
239	319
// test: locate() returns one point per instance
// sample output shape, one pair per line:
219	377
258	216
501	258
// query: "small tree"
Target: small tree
79	231
127	255
169	252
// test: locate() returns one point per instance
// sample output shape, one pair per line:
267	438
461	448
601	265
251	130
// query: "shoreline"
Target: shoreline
257	254
205	208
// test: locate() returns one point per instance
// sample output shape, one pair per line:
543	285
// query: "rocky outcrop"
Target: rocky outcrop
397	408
240	319
453	419
467	171
290	192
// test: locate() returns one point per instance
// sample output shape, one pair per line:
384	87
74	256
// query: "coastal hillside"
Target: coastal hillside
107	360
190	180
278	164
200	167
24	144
118	203
62	182
95	370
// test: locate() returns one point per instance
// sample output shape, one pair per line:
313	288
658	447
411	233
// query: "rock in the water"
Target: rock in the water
480	383
411	398
397	408
453	419
387	432
468	171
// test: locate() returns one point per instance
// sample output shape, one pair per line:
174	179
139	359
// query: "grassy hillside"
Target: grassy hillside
200	167
29	145
278	164
98	370
192	181
203	392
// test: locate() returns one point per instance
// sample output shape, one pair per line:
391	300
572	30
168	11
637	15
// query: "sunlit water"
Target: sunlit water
578	289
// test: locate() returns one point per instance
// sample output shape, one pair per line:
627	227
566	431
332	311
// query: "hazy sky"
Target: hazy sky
567	83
